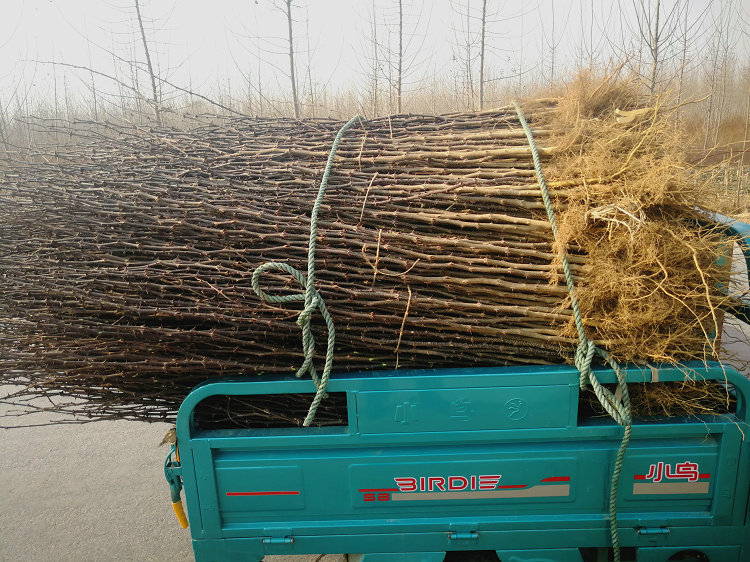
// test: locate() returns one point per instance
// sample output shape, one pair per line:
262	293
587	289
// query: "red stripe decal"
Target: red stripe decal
378	489
513	487
704	476
557	479
289	493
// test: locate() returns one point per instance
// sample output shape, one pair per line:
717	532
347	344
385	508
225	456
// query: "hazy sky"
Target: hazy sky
227	44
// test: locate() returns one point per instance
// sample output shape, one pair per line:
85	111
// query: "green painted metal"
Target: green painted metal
542	555
464	459
738	232
172	472
397	557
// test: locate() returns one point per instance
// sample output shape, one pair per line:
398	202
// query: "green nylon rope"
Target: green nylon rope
618	409
310	296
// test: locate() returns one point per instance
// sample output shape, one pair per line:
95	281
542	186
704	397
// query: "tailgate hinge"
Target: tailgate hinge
464	535
278	536
278	540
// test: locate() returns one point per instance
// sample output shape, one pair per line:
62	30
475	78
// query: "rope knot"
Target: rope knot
310	294
305	315
583	359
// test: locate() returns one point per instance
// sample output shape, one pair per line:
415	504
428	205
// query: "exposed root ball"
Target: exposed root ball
630	205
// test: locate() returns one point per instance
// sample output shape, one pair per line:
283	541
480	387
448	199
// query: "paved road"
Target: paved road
89	492
86	492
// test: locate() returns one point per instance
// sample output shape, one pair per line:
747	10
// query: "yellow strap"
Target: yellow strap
180	513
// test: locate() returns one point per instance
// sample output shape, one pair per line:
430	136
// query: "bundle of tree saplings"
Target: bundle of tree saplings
127	252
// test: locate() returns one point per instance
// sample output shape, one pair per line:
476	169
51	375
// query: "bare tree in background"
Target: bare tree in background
310	83
93	85
463	52
287	8
262	50
375	61
398	52
492	47
150	67
688	47
588	48
652	35
371	60
745	137
551	40
400	74
719	60
655	37
745	152
4	129
482	45
662	34
691	30
471	50
727	61
261	97
683	59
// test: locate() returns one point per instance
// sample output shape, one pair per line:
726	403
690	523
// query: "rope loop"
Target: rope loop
310	295
281	267
617	407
